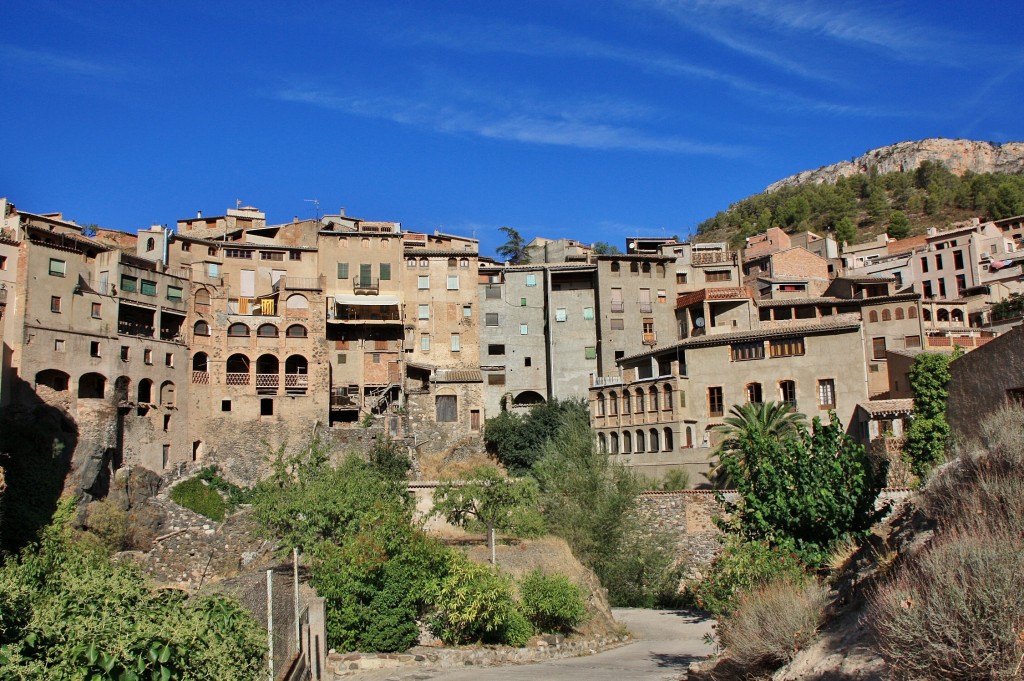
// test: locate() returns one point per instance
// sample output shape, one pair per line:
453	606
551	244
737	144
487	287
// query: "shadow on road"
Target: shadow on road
690	616
668	660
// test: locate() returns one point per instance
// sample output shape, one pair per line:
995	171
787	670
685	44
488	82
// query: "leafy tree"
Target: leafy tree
390	459
899	225
605	248
68	612
552	602
488	499
1010	307
754	420
513	250
474	604
846	230
802	493
516	440
929	432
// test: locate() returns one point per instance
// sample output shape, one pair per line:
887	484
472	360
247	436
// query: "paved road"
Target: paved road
667	642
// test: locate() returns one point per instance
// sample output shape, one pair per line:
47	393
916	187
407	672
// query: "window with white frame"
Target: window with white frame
424	311
453	282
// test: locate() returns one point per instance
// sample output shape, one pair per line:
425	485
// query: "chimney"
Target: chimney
199	213
341	212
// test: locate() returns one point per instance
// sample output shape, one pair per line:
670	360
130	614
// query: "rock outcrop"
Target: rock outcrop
959	156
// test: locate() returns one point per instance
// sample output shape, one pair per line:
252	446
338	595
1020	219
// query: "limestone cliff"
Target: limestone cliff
959	156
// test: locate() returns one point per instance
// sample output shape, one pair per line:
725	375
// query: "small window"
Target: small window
3	262
425	342
58	345
342	358
522	302
617	324
201	328
385	271
169	359
491	319
342	270
295	331
225	405
745	351
423	282
524	329
588	313
495	379
167	422
560	314
266	407
495	349
716	406
826	393
786	347
148	288
375	357
125	353
453	282
467	311
878	348
662	296
266	331
271	255
94	348
456	342
128	284
447	408
295	255
590	352
531	279
174	293
147	356
453	262
464	262
411	262
238	329
96	310
58	268
424	262
55	304
718	275
150	244
528	361
424	311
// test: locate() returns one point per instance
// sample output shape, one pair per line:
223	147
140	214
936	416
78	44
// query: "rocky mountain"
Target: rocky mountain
958	156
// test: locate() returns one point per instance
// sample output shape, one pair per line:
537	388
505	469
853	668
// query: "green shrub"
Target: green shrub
644	572
552	603
742	566
770	624
517	630
108	523
234	495
472	603
954	611
196	495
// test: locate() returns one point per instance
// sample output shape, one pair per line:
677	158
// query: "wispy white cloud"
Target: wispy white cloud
564	125
52	61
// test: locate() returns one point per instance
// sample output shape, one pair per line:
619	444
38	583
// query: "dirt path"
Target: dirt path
667	642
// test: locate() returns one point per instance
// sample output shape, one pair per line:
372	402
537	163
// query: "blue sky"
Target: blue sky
561	118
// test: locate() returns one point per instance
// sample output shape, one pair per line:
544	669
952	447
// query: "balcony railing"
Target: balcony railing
201	377
236	379
267	381
711	257
135	329
299	283
344	401
645	306
364	313
650	338
296	382
601	381
617	306
365	285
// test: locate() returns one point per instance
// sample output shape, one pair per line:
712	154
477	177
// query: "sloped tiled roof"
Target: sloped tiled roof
886	407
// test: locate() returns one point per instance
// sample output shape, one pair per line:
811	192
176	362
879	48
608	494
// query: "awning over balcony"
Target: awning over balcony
352	299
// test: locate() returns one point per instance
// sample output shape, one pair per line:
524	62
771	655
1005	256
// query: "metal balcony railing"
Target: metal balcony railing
618	306
366	285
646	306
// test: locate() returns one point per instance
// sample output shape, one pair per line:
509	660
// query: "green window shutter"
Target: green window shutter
385	271
365	274
590	353
342	270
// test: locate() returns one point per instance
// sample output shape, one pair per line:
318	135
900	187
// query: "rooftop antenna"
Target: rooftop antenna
316	203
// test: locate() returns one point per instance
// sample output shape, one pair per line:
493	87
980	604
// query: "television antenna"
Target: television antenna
316	203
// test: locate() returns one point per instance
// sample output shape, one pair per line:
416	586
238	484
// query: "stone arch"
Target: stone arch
627	442
926	314
200	362
267	331
92	385
296	301
689	437
602	443
873	316
238	329
942	315
201	328
899	313
122	388
527	397
614	440
613	403
653	401
666	403
267	364
201	298
627	399
296	364
653	440
54	379
237	364
639	404
144	393
668	439
911	312
167	394
296	331
641	443
886	315
957	315
599	404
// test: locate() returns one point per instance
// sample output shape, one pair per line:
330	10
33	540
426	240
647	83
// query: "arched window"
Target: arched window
167	394
202	299
453	262
53	379
200	362
886	315
873	316
653	399
238	329
668	439
122	386
626	399
599	405
267	364
266	331
639	407
653	440
899	313
237	370
464	262
641	446
150	244
92	385
614	437
942	315
296	301
926	314
689	437
201	328
410	262
627	442
956	316
613	403
911	312
602	443
666	404
145	391
296	331
753	393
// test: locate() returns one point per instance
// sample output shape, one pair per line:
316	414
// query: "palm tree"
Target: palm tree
750	422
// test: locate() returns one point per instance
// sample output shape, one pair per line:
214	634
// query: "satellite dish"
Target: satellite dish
699	322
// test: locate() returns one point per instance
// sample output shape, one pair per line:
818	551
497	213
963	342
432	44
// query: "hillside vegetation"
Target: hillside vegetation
858	207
